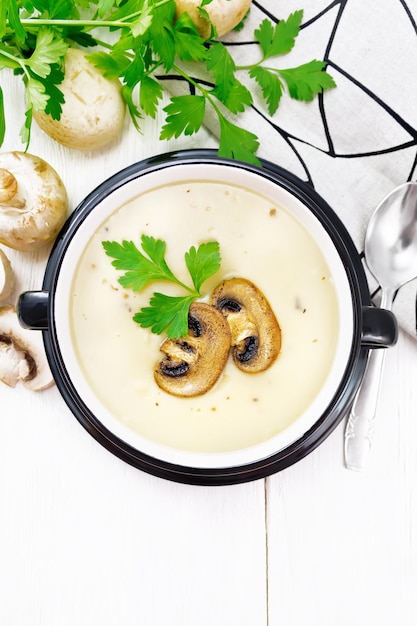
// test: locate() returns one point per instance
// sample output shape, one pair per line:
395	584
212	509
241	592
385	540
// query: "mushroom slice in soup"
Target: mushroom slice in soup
256	334
193	364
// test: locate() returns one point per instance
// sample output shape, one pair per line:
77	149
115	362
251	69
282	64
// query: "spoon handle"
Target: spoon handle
359	431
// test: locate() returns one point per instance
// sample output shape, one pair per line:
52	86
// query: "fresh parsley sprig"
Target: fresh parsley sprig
303	82
148	43
164	313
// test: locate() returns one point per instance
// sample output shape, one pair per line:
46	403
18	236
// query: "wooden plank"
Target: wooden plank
344	543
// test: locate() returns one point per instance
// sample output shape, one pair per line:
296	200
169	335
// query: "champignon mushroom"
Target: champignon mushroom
94	110
33	201
224	14
22	355
256	335
194	363
6	276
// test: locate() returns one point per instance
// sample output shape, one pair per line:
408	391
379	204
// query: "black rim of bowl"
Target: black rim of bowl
349	384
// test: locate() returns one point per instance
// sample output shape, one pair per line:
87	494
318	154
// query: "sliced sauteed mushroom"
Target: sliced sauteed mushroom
6	276
256	335
33	201
194	363
22	355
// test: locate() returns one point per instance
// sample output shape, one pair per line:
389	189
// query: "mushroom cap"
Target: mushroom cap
194	363
6	276
94	110
224	14
256	335
22	354
35	214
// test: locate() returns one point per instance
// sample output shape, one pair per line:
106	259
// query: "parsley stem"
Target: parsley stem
124	21
93	23
190	290
201	89
15	59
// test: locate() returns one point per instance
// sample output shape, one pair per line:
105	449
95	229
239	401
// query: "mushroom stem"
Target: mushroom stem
8	185
6	276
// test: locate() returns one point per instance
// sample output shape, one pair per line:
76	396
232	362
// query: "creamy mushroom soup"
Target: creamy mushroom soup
259	241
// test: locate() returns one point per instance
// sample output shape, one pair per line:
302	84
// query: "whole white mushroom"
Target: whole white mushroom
224	14
94	110
33	201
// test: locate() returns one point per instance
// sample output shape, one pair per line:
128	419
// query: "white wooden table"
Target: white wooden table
87	540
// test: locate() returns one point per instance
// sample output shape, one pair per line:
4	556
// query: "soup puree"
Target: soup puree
258	241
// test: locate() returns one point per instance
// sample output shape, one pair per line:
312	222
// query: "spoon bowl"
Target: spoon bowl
391	238
391	256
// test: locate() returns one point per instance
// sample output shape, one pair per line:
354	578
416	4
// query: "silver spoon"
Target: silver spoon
391	256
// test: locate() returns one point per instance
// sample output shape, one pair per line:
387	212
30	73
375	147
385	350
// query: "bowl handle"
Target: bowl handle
32	310
379	328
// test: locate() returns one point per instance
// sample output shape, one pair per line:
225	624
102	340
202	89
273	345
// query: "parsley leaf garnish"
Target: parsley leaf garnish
148	41
164	313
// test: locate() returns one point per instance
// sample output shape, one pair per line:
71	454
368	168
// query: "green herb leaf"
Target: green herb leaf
112	65
203	263
281	39
222	66
49	50
36	94
166	313
163	45
135	115
26	128
270	85
61	9
237	98
3	18
189	46
144	21
55	96
104	7
12	9
150	94
140	269
306	81
185	115
2	118
237	143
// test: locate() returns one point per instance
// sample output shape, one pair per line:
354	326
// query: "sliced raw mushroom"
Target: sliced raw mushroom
193	364
33	201
22	355
256	335
6	276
